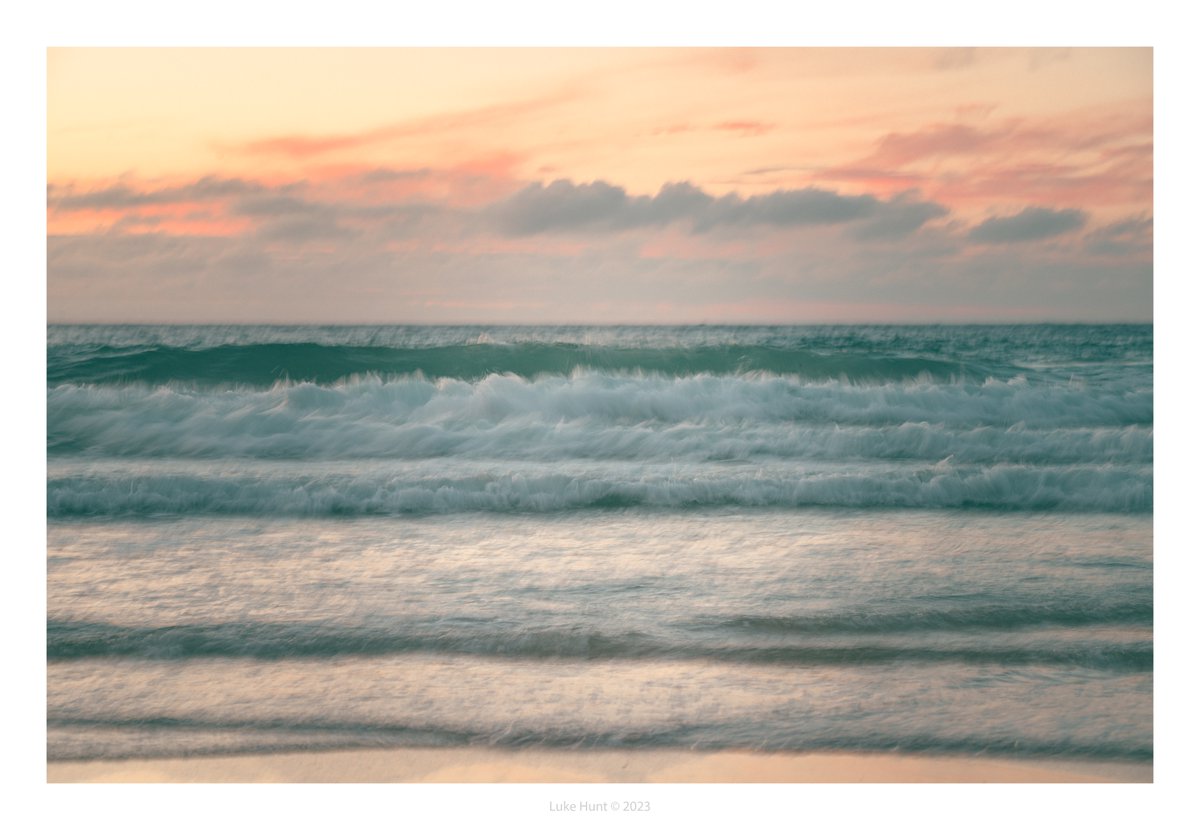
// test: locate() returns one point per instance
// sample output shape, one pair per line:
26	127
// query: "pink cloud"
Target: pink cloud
328	201
1093	157
304	147
182	218
745	128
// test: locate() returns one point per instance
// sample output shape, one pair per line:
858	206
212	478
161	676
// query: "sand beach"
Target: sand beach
542	766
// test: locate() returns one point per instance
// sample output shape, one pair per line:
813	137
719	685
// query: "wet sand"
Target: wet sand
489	765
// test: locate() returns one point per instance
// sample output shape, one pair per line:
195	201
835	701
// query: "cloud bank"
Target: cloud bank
563	206
377	244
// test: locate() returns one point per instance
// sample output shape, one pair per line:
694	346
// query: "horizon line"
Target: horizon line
1000	322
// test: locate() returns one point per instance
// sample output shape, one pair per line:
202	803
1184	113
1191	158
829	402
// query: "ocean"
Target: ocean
857	538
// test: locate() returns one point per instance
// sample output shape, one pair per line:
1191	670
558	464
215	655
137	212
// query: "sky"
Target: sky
682	185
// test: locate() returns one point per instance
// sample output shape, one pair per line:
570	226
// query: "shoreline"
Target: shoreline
476	765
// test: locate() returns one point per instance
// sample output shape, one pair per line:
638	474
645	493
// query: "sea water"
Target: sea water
925	539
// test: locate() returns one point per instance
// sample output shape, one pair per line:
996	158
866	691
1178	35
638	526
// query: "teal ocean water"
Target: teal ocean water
929	539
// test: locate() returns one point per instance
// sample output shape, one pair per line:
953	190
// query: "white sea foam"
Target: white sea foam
595	415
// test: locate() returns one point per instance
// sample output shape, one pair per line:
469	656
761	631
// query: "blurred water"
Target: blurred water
857	537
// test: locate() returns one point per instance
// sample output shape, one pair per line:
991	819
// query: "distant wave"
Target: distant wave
1053	343
263	364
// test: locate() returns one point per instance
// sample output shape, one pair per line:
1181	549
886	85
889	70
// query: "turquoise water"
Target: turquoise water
918	538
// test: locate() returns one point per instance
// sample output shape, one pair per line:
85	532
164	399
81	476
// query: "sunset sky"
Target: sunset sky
599	185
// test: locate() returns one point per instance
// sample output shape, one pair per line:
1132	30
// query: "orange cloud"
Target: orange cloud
745	127
300	147
304	147
183	218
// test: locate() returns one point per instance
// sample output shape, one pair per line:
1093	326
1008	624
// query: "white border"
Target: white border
623	23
